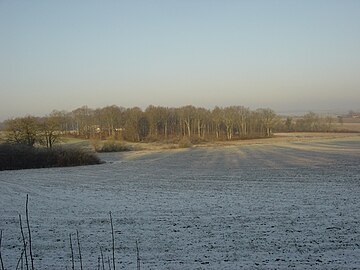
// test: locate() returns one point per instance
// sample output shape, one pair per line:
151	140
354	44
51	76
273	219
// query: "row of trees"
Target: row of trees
158	123
309	122
154	123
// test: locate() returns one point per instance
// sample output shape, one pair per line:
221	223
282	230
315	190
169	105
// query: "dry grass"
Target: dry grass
281	138
353	127
278	139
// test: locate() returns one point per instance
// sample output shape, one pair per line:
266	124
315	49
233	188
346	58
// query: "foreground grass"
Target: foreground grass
14	157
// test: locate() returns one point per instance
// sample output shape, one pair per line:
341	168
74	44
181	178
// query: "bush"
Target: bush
18	156
113	147
197	140
185	143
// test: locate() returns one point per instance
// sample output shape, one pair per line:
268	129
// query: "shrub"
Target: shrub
113	147
18	156
185	143
197	140
96	145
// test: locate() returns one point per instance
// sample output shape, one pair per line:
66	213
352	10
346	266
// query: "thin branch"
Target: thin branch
1	260
72	254
24	242
28	226
78	241
113	240
20	259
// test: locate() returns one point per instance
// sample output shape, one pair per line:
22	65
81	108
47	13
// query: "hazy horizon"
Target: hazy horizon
292	112
285	55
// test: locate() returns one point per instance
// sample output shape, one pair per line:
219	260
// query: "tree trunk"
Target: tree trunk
199	129
165	130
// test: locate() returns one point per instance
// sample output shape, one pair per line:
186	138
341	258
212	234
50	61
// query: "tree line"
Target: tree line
157	123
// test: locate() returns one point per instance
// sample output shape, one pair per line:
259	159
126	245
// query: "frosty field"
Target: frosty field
289	205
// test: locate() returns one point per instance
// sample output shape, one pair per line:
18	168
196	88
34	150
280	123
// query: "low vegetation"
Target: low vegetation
112	146
27	260
113	128
185	143
20	156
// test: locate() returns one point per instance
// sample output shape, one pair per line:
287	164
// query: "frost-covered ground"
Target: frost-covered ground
293	205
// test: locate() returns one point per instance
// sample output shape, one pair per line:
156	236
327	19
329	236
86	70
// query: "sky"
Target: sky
286	55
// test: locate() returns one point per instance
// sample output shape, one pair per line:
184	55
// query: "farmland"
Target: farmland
288	203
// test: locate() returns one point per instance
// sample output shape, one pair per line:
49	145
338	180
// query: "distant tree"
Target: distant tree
112	118
311	122
50	129
84	119
132	126
216	117
329	120
64	120
172	126
201	121
242	114
155	117
143	127
268	119
289	123
150	112
23	130
229	118
341	120
165	119
187	115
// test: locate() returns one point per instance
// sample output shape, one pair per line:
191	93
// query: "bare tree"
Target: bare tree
83	118
187	115
50	130
229	118
216	116
268	119
132	127
112	118
24	130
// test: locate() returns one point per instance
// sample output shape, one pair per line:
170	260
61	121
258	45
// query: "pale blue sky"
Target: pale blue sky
287	55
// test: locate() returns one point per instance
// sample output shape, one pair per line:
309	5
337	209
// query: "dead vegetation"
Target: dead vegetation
26	257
